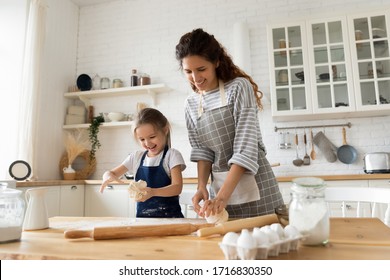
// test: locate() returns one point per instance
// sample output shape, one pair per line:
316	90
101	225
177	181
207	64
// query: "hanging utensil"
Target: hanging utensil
297	161
313	154
346	153
306	158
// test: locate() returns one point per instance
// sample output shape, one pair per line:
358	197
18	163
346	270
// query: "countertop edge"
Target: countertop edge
195	180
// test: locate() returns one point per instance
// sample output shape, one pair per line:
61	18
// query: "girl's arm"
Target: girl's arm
173	189
113	175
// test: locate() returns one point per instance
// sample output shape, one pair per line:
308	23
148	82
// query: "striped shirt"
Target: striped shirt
247	141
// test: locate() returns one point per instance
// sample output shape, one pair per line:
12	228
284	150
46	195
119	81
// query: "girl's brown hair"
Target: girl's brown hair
155	118
199	42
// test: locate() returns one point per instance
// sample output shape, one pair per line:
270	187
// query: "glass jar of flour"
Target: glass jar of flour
308	211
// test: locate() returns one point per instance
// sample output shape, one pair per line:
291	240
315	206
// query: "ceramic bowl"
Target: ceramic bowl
116	116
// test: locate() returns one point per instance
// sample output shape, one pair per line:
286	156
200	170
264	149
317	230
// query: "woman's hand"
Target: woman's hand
200	195
212	207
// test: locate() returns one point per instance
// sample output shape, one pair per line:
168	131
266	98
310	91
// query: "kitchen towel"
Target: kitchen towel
326	146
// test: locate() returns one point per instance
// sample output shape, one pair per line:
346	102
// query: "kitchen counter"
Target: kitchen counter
347	238
194	180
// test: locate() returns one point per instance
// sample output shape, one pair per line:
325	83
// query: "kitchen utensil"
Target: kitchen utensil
100	233
12	208
346	153
326	147
306	158
238	225
297	161
313	152
36	214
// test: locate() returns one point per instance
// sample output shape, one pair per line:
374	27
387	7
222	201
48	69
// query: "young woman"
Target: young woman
159	165
224	132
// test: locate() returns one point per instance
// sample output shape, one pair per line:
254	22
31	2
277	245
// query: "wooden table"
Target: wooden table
347	241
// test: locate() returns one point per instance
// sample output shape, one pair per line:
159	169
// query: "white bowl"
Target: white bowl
116	116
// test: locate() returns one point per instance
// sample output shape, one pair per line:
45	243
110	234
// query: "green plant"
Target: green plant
93	131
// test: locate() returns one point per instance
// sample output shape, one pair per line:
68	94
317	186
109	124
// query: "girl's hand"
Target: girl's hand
145	194
212	207
108	177
200	195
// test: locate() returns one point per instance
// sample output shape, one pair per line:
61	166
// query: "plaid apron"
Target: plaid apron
255	194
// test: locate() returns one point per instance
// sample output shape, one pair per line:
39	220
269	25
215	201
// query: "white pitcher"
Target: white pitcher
36	214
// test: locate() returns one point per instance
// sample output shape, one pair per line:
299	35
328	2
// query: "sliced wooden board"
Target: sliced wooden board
360	231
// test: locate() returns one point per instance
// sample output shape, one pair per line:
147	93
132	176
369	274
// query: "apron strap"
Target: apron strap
222	96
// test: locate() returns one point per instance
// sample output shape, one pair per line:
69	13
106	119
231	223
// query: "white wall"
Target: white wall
115	37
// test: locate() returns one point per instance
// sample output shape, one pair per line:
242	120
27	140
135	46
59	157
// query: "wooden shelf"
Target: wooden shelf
103	125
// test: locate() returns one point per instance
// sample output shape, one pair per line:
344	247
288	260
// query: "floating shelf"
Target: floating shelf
84	96
103	125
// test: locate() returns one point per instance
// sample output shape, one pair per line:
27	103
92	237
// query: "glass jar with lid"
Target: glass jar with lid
12	208
308	211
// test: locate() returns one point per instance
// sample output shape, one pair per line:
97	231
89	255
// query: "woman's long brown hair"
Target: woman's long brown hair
199	42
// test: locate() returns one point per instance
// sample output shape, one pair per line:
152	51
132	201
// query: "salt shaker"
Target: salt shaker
308	211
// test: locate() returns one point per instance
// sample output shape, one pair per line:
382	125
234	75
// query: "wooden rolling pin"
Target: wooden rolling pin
100	233
238	225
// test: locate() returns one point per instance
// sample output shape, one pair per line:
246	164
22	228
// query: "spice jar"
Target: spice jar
134	78
117	83
144	80
105	83
308	211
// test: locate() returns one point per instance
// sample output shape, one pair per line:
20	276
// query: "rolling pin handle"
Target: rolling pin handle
73	234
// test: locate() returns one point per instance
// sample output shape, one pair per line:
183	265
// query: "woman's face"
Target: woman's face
152	139
200	72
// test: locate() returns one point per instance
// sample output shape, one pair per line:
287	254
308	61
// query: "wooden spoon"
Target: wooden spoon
313	154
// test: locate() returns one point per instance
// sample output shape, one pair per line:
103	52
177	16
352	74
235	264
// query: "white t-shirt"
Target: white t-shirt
172	158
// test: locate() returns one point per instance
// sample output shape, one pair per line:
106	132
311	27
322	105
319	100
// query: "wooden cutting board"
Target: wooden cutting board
361	231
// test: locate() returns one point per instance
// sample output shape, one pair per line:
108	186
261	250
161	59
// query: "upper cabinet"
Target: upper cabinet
370	52
323	68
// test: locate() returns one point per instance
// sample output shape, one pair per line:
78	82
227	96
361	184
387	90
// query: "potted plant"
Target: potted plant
93	131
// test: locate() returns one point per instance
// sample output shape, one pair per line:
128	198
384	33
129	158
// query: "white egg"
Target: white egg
246	240
265	228
291	231
278	229
230	238
260	237
272	236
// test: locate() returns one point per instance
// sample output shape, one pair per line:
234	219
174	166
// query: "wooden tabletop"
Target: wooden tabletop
350	238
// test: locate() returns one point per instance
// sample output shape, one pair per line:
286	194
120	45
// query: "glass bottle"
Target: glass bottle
134	78
308	211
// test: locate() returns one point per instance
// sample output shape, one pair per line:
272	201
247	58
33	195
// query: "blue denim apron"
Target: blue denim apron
157	206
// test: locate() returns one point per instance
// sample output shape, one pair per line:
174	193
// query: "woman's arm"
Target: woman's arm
204	170
216	205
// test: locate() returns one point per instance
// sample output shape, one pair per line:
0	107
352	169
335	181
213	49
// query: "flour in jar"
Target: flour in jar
312	221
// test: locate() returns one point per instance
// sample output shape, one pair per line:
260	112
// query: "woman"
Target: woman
224	132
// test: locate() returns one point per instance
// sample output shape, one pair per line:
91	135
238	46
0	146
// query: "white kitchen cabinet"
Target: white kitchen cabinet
335	58
290	93
113	202
381	208
186	195
369	35
88	96
72	200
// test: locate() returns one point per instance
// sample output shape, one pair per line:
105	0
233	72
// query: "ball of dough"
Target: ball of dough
136	189
221	217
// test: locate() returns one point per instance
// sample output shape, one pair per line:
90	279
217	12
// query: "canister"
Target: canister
308	210
117	83
105	83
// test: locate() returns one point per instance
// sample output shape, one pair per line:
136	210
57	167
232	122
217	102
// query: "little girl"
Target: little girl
158	165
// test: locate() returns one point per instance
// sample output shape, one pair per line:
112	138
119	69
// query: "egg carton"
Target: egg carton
261	243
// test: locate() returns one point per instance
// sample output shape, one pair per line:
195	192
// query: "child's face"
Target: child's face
152	139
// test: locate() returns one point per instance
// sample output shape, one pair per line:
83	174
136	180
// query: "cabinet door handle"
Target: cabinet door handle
110	187
73	187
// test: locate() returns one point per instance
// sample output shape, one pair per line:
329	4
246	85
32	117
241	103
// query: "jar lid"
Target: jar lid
5	191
